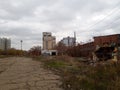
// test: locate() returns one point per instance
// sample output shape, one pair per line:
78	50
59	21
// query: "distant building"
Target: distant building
68	41
49	43
5	43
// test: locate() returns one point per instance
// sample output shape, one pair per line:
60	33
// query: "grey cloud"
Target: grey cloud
27	19
16	9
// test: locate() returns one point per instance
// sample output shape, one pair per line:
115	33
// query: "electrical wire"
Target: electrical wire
115	9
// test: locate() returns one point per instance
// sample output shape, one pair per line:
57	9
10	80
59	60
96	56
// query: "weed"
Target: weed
79	76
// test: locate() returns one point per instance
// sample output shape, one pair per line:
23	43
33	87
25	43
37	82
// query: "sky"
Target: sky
27	19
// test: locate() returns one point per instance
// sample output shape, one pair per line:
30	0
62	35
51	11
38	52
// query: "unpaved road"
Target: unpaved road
19	73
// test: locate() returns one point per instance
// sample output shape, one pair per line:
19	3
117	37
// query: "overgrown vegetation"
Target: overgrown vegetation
80	76
12	52
7	53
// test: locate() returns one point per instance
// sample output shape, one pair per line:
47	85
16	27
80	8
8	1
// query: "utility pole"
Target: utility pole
21	44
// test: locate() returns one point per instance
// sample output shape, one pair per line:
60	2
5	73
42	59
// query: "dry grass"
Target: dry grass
79	76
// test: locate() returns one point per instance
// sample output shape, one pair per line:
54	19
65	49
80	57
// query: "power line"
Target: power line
108	15
113	22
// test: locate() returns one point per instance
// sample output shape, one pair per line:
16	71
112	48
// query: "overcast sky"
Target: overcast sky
27	19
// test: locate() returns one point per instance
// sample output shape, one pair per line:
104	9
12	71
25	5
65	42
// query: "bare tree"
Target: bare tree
35	51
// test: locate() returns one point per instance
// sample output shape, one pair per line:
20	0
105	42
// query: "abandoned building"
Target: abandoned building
108	41
87	49
49	43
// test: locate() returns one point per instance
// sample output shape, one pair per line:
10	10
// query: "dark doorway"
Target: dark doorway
54	53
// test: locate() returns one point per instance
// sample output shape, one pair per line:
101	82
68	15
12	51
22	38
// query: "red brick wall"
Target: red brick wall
101	40
87	49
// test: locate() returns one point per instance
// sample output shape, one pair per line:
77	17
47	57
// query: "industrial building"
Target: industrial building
5	43
68	41
49	43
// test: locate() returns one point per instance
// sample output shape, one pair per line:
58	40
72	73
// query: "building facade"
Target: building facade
5	43
107	40
68	41
87	49
49	41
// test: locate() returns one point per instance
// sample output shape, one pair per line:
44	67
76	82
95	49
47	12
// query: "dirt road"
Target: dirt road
19	73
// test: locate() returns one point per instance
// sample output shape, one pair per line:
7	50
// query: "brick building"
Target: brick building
87	49
108	39
101	41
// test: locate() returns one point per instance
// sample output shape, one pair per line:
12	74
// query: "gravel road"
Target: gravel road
20	73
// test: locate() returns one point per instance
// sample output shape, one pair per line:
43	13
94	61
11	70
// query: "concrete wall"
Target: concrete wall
49	41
